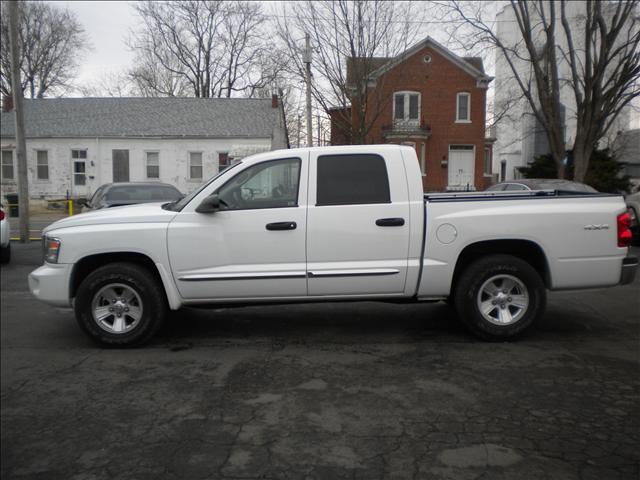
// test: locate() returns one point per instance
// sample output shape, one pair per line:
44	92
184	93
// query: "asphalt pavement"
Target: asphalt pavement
328	391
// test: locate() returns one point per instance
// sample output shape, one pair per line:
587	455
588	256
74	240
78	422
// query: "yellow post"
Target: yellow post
70	207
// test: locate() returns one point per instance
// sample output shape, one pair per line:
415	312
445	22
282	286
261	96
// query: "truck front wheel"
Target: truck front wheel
120	305
499	296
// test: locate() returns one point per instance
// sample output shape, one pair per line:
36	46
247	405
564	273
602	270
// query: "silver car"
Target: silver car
541	184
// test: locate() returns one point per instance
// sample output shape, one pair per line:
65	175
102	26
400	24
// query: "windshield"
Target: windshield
143	193
179	205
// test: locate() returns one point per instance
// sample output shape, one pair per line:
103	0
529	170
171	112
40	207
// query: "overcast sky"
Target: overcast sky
107	25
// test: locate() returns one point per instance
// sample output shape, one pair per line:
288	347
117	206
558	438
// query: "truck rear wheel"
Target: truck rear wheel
120	305
499	296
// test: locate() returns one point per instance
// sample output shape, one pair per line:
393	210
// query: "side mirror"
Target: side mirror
210	204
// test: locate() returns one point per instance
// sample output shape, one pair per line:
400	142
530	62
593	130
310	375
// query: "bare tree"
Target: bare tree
600	51
362	33
151	78
111	84
51	42
216	48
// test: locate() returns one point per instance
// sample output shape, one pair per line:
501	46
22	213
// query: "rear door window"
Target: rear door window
352	180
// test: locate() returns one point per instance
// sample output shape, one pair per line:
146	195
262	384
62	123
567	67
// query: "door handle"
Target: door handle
390	222
282	226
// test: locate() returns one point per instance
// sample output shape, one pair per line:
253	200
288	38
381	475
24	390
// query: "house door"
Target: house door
461	167
120	165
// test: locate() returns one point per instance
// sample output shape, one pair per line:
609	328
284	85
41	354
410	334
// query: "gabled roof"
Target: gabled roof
472	65
362	65
145	117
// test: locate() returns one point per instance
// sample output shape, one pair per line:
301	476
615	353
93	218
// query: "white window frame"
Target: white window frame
146	164
196	179
79	160
38	165
12	178
406	120
463	120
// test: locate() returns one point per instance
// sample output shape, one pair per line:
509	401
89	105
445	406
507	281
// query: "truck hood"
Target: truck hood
144	213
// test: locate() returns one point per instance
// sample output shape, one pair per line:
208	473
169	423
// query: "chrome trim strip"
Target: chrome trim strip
353	273
208	277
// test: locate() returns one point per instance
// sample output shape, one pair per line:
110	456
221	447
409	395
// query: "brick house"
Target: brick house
431	99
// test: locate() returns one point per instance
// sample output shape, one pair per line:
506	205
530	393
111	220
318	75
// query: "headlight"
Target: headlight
51	249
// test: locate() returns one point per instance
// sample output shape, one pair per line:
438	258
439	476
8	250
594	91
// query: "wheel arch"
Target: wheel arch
525	250
83	267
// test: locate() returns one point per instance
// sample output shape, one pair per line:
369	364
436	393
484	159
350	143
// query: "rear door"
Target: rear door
357	224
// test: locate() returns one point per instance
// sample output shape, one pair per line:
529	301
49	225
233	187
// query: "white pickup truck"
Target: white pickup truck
327	224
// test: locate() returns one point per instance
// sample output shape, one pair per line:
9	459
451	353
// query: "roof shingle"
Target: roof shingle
144	117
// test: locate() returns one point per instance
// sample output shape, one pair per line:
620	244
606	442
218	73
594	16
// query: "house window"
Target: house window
423	158
42	164
406	107
7	165
223	161
79	158
487	161
462	107
195	165
153	165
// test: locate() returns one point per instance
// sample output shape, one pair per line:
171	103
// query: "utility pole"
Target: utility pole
299	128
21	146
307	61
318	122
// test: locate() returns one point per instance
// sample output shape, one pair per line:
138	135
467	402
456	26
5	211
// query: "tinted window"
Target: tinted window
272	184
143	194
352	179
96	196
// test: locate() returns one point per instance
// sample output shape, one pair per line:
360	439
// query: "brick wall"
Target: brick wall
438	82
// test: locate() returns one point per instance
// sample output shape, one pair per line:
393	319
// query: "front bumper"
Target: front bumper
629	267
50	284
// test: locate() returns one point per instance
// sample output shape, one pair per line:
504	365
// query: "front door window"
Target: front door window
272	184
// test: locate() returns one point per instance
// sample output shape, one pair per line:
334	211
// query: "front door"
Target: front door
461	167
358	225
120	165
254	247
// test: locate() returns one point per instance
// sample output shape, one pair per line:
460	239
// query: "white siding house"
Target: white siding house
74	145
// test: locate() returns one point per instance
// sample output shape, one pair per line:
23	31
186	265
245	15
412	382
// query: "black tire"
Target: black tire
5	254
139	280
498	267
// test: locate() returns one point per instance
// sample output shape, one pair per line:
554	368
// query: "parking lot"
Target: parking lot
326	391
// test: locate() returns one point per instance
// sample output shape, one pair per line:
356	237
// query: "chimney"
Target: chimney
7	103
274	101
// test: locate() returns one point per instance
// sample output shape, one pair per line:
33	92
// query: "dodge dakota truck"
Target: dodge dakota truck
332	224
